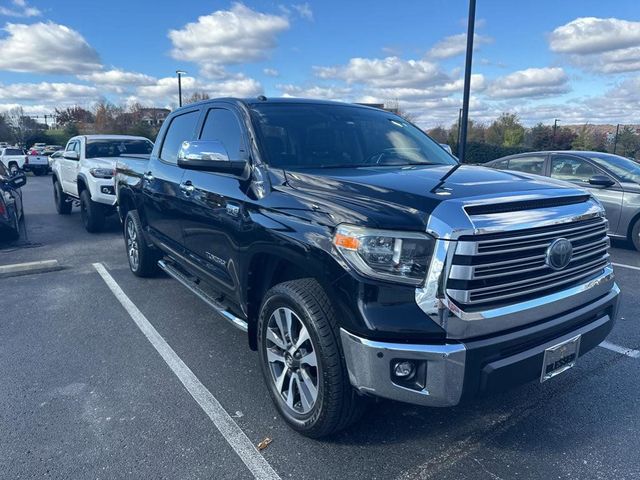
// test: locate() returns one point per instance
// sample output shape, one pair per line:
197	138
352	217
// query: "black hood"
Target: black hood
405	197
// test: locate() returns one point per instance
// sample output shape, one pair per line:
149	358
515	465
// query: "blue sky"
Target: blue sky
574	60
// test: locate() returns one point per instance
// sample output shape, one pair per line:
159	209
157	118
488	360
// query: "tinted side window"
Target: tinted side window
180	129
222	125
71	146
502	164
572	169
527	165
3	170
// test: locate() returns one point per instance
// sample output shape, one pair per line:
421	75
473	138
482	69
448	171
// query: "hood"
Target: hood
406	196
103	162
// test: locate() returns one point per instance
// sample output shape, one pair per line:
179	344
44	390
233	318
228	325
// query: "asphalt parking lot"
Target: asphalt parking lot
85	394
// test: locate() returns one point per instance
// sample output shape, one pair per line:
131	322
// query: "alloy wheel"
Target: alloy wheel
132	245
292	360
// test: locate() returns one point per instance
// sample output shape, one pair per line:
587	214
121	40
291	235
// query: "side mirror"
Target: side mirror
71	155
208	156
601	181
19	180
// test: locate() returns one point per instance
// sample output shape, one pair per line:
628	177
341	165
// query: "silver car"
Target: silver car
612	179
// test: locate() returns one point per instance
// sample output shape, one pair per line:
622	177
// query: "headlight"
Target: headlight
101	172
402	257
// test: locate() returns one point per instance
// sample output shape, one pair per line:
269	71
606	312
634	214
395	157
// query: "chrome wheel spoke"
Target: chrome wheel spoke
302	337
309	385
309	359
277	341
305	397
275	357
280	380
290	394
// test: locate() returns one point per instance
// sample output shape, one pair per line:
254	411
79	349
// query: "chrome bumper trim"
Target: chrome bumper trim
369	366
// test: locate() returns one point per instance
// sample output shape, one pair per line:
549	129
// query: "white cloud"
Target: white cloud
385	72
20	9
454	45
532	82
271	72
48	92
304	10
601	45
316	91
118	77
46	48
228	37
165	90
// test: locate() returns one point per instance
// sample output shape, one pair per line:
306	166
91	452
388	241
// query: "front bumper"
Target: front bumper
462	370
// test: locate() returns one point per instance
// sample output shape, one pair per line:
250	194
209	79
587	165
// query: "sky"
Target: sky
574	60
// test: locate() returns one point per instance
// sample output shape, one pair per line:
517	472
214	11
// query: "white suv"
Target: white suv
85	172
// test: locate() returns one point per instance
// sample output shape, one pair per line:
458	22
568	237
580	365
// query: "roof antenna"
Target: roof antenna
262	98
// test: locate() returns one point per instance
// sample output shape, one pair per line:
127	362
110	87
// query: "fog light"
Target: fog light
403	369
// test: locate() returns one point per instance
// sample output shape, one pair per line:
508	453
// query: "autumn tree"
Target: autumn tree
439	134
506	131
73	114
196	97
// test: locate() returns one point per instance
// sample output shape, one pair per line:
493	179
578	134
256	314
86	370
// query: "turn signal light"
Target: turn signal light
345	241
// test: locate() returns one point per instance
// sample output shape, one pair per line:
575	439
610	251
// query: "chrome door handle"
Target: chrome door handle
187	187
148	177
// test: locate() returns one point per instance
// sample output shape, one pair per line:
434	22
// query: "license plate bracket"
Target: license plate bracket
560	358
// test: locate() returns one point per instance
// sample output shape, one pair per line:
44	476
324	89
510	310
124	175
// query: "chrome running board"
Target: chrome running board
204	296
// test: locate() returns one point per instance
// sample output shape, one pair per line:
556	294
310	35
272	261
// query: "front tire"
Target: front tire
635	235
63	205
91	212
301	359
143	259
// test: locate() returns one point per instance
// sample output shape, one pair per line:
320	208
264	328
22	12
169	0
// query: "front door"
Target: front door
69	169
163	196
216	217
578	171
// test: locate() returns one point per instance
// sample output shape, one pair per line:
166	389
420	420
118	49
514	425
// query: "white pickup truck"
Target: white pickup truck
13	158
84	174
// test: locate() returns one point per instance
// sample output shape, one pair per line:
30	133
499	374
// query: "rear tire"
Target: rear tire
635	234
63	206
143	259
91	212
330	403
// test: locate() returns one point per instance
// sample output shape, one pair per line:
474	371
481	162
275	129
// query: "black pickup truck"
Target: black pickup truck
362	260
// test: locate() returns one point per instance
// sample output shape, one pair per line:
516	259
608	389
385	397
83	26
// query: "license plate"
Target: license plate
559	358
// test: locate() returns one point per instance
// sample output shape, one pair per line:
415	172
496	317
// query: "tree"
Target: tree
476	133
588	138
439	134
628	142
73	114
196	97
542	137
563	139
506	131
105	117
5	129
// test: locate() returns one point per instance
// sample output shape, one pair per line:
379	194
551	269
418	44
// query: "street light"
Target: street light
180	73
555	127
467	80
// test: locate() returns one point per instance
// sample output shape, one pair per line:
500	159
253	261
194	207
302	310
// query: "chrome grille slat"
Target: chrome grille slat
480	273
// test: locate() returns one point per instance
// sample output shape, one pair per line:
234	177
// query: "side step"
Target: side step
204	296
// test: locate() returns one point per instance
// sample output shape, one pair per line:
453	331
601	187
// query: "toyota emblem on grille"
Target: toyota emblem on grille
559	253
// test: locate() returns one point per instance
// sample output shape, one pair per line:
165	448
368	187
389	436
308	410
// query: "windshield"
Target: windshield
116	147
625	169
330	136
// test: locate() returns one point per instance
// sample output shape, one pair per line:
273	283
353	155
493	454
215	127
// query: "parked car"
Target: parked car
13	159
11	209
85	171
36	163
362	260
612	179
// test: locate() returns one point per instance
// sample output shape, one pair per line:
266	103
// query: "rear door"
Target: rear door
216	216
163	197
579	170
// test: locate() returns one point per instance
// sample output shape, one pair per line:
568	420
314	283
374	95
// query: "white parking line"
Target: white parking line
232	433
625	266
629	352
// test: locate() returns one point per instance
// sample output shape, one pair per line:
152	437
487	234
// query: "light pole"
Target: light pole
555	127
615	141
180	73
467	80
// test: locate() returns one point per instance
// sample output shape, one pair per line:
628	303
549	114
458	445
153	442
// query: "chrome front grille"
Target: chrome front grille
505	268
